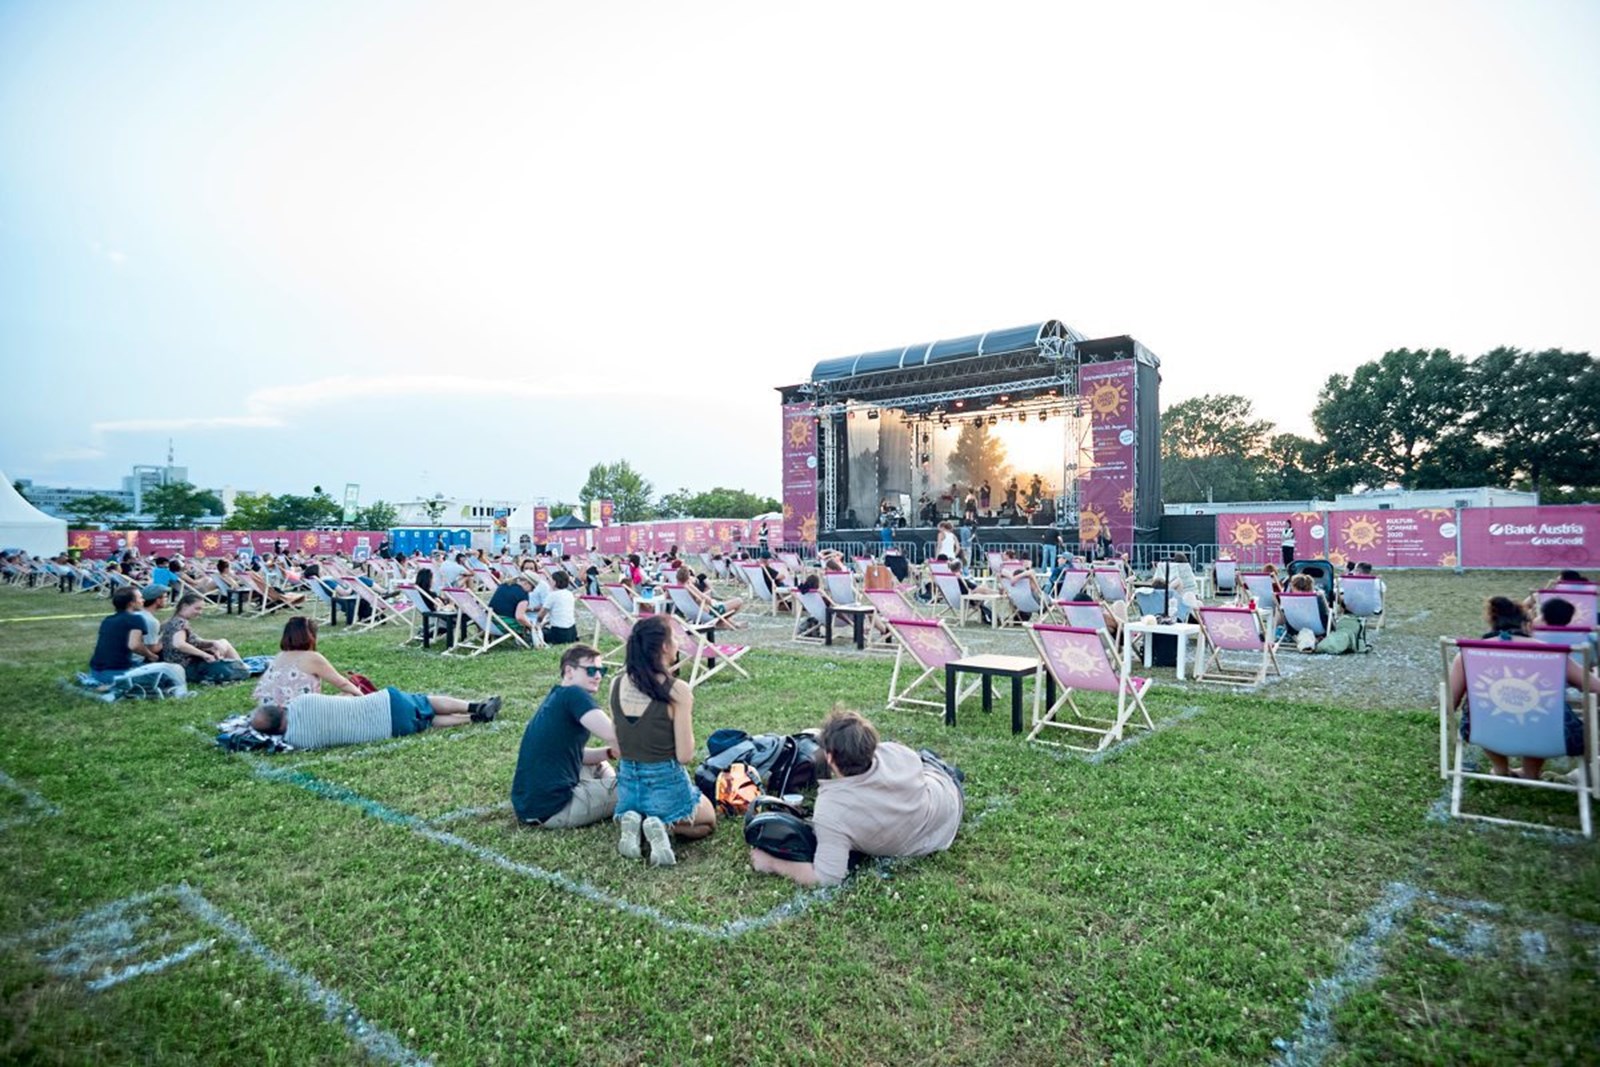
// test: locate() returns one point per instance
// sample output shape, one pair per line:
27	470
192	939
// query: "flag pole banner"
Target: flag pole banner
799	474
1106	497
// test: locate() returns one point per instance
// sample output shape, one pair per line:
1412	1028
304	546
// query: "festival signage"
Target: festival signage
1257	536
1106	496
204	544
608	511
1414	537
541	524
1550	538
799	475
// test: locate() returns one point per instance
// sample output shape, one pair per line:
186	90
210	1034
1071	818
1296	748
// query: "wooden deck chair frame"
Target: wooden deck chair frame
1129	690
809	606
913	636
1245	622
478	614
697	648
382	610
1453	769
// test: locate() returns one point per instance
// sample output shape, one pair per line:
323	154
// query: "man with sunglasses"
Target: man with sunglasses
560	782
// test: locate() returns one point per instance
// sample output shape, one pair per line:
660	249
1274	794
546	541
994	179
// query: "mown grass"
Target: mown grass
1173	903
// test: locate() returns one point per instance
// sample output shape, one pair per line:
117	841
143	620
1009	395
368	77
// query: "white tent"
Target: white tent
24	526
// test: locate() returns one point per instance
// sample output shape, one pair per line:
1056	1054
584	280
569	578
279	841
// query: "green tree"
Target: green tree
1539	416
1212	448
176	505
978	456
378	515
1381	422
292	512
251	511
97	509
717	503
435	507
1297	468
628	491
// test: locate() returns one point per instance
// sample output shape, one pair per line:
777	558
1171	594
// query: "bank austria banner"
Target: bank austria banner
1554	537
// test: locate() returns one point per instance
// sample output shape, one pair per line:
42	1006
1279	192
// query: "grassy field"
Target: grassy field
1264	879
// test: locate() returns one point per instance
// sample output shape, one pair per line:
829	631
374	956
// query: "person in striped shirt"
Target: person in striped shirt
316	721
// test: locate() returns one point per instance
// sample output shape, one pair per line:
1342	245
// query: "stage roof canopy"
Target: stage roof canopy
1039	337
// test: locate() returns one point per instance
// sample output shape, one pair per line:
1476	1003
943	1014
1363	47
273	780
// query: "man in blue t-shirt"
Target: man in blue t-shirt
122	648
560	783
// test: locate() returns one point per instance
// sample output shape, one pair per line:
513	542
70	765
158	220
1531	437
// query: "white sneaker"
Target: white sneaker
628	842
661	854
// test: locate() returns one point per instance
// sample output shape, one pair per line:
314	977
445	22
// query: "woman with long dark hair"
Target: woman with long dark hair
654	716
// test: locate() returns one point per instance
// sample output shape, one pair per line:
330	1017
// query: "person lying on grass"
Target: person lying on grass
877	798
1507	622
315	721
653	715
299	668
560	782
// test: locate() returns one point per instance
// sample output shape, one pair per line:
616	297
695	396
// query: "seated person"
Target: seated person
560	782
1303	583
181	646
809	625
299	668
1365	568
425	590
120	648
558	613
700	590
315	721
1507	622
453	571
509	603
875	799
967	586
1566	577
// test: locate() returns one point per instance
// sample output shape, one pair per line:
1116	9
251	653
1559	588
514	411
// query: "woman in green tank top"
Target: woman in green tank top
654	717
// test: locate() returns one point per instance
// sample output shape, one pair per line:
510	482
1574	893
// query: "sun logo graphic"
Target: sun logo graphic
1435	514
808	528
788	511
1108	398
82	540
1361	531
1447	560
1515	693
309	541
1337	558
1231	629
1306	516
1125	500
1246	533
722	533
211	541
1074	660
799	432
1091	520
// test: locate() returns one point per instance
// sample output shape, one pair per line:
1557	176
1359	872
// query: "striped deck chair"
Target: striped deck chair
608	619
1084	614
696	613
1026	598
1360	596
929	645
1583	599
1516	700
1112	585
1080	661
756	579
1226	575
491	630
810	618
258	584
1258	585
1070	584
1300	612
419	610
383	611
707	658
841	587
892	604
1234	629
949	586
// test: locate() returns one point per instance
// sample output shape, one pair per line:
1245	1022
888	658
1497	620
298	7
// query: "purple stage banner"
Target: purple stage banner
799	474
1106	497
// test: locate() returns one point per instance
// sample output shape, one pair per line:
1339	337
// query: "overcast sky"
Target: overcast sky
475	247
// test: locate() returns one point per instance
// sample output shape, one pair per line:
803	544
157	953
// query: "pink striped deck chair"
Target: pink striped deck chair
1084	614
892	604
608	619
491	631
929	644
258	583
1070	584
1234	629
1516	701
949	586
706	658
1082	660
1300	611
383	611
1110	582
1258	584
810	616
1583	598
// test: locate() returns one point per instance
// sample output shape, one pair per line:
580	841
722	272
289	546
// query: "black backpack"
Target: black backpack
780	830
795	768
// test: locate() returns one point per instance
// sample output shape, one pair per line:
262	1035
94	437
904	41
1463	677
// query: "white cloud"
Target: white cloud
216	422
74	455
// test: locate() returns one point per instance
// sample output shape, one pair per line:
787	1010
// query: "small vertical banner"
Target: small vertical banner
607	513
541	525
799	474
352	501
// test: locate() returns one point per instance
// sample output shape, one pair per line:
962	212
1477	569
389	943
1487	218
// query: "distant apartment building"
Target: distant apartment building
60	500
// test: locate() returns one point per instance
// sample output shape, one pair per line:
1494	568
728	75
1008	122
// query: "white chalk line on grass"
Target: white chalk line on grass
1467	931
1439	814
107	935
34	806
425	829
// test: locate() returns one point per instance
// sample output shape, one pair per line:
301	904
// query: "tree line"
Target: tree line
633	498
1416	419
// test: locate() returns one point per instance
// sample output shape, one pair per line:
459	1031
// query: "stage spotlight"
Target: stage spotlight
1043	416
1004	398
1022	416
872	414
960	403
993	420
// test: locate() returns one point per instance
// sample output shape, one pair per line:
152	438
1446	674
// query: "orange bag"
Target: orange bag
737	788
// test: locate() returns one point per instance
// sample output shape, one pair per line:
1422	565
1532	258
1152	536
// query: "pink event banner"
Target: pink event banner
1257	536
799	474
1107	497
1414	537
203	544
1555	537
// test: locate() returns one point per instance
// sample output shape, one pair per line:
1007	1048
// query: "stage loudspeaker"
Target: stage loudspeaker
1164	650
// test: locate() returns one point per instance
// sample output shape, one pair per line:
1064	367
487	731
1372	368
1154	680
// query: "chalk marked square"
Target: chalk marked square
26	806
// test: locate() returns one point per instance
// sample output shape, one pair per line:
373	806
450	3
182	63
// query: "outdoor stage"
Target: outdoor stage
1022	430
